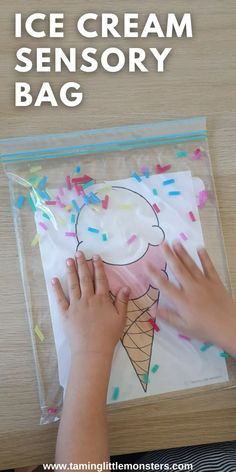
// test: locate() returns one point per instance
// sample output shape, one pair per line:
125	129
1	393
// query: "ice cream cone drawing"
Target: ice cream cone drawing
133	238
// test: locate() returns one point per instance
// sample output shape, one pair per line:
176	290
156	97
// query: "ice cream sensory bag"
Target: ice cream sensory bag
117	192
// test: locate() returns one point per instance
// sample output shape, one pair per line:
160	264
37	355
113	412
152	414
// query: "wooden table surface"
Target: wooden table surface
200	79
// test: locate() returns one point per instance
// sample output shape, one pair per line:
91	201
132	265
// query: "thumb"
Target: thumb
171	317
122	300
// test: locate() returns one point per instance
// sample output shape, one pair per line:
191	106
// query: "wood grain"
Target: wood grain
199	80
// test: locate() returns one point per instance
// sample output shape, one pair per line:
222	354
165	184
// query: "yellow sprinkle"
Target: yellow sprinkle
60	220
95	208
125	206
35	240
68	208
104	189
39	333
35	169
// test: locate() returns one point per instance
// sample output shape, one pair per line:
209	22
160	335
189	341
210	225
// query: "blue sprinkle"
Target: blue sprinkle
43	194
77	169
175	192
225	355
86	199
43	182
147	173
136	176
205	346
181	154
76	206
168	182
20	201
93	230
115	394
94	198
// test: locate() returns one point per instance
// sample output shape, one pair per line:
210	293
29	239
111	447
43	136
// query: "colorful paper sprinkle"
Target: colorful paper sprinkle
20	201
197	154
168	182
89	183
35	240
125	206
75	206
115	394
35	169
46	216
68	182
156	208
61	191
43	182
136	177
183	236
182	336
174	193
31	203
181	154
108	188
154	325
60	203
205	346
81	180
72	219
43	225
93	230
105	202
162	169
70	234
225	355
52	410
154	191
86	199
68	207
191	216
202	198
50	202
155	368
146	172
39	333
94	198
146	379
104	237
77	169
132	238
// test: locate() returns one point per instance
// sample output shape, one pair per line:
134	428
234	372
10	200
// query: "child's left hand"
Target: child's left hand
92	322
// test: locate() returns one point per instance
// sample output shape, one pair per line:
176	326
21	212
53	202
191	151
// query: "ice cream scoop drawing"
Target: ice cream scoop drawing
132	238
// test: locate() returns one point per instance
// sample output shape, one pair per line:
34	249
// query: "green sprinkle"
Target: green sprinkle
181	154
145	379
46	216
31	203
88	184
104	237
39	333
115	394
225	355
205	346
154	191
72	219
155	368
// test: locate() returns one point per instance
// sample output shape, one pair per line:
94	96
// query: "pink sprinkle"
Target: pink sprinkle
59	202
162	169
202	198
154	325
70	234
61	191
68	182
197	154
182	336
52	410
43	225
105	202
183	236
81	180
156	208
191	216
77	189
132	239
50	202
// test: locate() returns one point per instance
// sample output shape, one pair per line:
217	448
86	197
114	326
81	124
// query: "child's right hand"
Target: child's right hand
204	308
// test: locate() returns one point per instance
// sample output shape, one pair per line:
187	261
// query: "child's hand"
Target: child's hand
92	322
204	308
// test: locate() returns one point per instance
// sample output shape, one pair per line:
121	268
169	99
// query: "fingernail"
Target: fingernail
69	262
96	257
54	281
126	291
79	255
176	243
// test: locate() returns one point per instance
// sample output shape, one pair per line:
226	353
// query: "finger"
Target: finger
85	277
207	265
121	302
176	265
171	317
163	284
60	297
186	259
73	281
100	278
